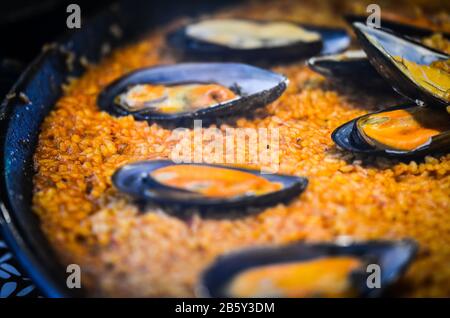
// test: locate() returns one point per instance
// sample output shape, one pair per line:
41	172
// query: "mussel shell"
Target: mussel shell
348	138
393	257
400	28
348	67
334	40
134	180
256	87
334	67
398	45
344	64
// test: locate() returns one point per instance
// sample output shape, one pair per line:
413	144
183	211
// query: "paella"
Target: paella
323	190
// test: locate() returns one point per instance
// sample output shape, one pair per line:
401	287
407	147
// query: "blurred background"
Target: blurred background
25	25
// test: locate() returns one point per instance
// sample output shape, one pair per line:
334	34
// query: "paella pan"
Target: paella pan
355	172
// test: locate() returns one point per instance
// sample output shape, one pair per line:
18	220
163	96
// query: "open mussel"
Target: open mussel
351	65
309	270
204	186
401	131
178	94
415	71
255	40
418	73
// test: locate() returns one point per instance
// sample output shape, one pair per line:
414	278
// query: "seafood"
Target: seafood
255	40
399	131
298	279
173	99
344	66
406	65
308	270
419	74
214	181
178	94
203	186
246	34
435	77
403	129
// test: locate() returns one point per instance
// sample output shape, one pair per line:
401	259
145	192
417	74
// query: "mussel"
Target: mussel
178	94
418	73
412	69
204	186
349	66
309	270
255	40
354	64
401	131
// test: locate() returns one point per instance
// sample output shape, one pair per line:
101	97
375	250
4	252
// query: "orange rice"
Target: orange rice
123	252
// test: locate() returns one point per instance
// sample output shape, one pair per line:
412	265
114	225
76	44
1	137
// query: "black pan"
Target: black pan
20	122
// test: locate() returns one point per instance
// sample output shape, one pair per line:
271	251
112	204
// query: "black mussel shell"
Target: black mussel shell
333	40
342	65
400	28
348	138
380	47
393	257
256	87
349	67
134	179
